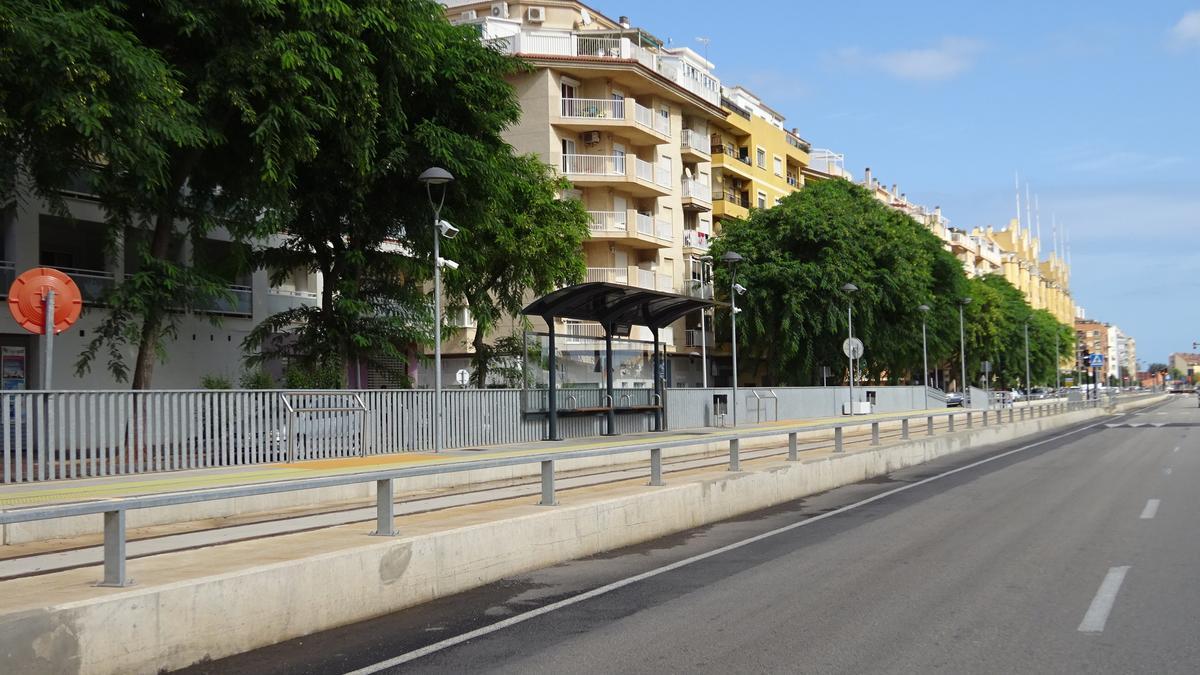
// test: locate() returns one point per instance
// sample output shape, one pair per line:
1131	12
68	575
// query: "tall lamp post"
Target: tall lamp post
924	310
705	293
1028	371
962	346
850	289
439	177
732	259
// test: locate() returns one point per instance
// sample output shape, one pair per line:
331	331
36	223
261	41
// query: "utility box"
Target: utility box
860	408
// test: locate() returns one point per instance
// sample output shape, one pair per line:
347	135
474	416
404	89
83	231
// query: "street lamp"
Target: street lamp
1028	371
924	309
850	289
440	177
962	346
732	259
705	281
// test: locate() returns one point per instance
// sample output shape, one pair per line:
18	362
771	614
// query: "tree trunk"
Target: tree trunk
482	357
143	370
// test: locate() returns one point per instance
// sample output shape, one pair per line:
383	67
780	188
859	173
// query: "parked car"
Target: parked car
954	399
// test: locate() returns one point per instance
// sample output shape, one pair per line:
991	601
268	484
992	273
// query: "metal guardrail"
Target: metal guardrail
758	406
114	509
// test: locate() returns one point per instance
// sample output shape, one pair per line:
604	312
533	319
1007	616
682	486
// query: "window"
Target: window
778	166
760	157
762	200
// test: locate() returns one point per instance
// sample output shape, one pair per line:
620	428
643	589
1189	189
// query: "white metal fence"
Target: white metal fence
77	434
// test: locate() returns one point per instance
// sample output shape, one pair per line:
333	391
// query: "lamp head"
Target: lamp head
731	257
435	176
849	288
964	301
448	231
923	308
741	290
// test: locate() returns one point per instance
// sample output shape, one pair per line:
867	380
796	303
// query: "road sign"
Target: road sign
852	347
463	377
1096	360
27	300
986	366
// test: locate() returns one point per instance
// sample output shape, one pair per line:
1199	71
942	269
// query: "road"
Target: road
1074	551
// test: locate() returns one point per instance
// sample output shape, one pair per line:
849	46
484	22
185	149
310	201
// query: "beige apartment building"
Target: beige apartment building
628	120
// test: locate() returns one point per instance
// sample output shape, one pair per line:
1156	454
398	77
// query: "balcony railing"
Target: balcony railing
93	284
594	165
793	181
645	224
582	331
281	300
649	119
240	302
8	273
695	140
696	239
594	108
697	190
732	197
612	275
694	337
664	229
608	221
733	152
662	176
644	170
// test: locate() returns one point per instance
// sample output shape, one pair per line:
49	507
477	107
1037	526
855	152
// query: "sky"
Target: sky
1096	104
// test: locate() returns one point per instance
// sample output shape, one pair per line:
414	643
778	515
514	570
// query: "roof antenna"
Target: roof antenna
704	41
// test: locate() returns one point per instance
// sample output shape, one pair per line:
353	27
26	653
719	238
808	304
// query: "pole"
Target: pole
850	356
48	339
925	359
1028	371
962	351
1057	370
437	334
733	320
703	349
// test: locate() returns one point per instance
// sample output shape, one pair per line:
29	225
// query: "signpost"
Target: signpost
45	301
852	348
1096	361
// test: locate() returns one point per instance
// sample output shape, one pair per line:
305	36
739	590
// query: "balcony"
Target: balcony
694	337
730	204
281	300
8	273
633	175
696	242
239	302
93	284
693	146
631	118
582	332
731	159
630	276
630	228
696	196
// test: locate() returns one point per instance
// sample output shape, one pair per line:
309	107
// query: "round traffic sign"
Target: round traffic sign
27	298
463	377
852	347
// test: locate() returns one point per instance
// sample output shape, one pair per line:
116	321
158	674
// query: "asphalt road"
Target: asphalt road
1080	554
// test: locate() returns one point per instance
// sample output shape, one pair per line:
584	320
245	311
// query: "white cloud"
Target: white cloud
1186	33
947	59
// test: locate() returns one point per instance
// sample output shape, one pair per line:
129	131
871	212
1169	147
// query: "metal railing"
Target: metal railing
316	431
594	108
608	222
696	239
93	284
664	229
697	190
279	300
612	275
645	224
114	510
644	170
760	399
695	140
594	165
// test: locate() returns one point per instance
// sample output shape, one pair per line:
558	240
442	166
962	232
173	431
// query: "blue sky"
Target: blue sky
1096	104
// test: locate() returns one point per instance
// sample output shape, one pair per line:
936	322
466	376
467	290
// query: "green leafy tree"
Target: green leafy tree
235	91
361	219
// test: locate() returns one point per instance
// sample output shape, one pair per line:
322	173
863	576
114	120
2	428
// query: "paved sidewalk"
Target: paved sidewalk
109	487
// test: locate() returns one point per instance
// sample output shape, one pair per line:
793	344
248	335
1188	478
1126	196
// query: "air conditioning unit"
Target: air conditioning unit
591	137
468	15
537	14
500	10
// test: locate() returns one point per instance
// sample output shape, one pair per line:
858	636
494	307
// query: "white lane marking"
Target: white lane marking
616	585
1102	604
1151	509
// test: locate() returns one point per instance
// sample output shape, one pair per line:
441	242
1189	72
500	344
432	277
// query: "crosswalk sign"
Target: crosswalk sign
1096	360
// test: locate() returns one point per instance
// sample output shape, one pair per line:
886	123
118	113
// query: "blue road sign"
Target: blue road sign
1096	360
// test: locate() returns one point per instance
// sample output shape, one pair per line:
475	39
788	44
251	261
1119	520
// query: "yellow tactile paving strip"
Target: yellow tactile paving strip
115	486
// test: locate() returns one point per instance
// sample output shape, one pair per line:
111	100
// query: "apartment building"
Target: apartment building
1188	364
756	159
628	120
208	343
1093	336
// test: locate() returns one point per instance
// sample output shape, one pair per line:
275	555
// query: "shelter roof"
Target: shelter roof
614	305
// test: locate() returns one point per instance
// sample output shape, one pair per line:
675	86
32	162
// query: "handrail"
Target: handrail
114	509
759	405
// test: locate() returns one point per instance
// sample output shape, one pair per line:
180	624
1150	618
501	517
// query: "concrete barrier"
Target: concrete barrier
206	604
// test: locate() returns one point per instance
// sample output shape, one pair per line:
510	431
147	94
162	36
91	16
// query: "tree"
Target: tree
1157	367
797	257
360	217
237	90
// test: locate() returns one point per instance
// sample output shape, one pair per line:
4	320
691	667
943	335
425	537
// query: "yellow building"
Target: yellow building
756	160
628	121
1046	284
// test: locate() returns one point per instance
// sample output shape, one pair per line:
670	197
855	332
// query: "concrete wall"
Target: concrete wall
164	626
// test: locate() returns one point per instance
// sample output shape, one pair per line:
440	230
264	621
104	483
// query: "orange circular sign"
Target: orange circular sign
27	299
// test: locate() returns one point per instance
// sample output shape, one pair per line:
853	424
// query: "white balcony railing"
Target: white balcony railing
644	170
662	176
664	229
581	331
645	279
695	140
664	282
593	108
643	115
282	299
694	337
594	165
696	239
645	224
608	222
612	275
697	190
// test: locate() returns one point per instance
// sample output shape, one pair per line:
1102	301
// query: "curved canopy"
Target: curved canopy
614	305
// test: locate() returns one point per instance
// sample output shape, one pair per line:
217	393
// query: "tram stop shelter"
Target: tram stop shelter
617	308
